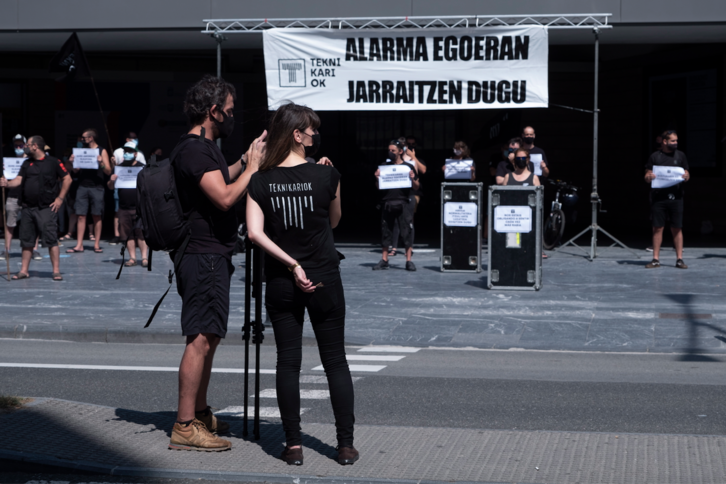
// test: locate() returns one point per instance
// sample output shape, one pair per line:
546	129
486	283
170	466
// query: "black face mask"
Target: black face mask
521	162
528	139
392	156
26	150
672	146
224	127
311	150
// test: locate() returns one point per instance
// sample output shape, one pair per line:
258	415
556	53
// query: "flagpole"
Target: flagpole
103	119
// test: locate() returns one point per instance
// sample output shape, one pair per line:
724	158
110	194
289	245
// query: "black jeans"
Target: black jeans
286	304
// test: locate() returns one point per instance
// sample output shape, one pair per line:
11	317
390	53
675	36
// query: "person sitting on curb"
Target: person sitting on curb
43	182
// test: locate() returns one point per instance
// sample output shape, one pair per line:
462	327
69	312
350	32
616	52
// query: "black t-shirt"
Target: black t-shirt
295	201
92	178
214	231
399	193
127	196
677	158
36	190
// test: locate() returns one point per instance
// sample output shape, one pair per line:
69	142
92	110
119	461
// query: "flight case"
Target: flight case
515	237
461	227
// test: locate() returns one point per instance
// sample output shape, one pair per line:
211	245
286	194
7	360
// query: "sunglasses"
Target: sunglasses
521	158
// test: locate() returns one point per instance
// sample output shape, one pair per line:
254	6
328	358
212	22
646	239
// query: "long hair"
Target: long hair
280	143
460	145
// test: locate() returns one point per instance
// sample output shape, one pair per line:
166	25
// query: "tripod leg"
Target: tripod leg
618	242
246	329
572	241
258	336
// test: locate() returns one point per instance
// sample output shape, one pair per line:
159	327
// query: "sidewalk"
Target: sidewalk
123	442
611	304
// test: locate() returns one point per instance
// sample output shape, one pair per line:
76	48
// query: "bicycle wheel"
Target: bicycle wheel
553	229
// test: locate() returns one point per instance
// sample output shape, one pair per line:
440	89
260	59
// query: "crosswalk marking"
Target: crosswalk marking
123	368
388	349
374	357
367	368
238	411
304	394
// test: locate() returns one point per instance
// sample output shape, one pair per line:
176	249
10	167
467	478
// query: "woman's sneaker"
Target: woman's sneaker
655	263
195	436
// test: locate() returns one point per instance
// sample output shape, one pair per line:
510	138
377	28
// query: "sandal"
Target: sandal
144	262
392	252
67	237
57	276
74	251
20	275
130	263
98	250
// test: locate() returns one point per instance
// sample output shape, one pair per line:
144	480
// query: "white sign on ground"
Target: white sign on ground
394	176
383	69
667	176
513	218
85	158
460	214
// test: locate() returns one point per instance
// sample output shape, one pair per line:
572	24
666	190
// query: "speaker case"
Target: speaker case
460	244
517	269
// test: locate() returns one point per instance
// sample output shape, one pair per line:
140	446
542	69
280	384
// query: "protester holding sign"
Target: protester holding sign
667	201
398	179
43	182
536	154
459	167
90	189
124	180
292	208
12	208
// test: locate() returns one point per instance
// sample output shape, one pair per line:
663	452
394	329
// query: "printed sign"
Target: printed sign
460	214
11	167
127	176
536	160
513	218
85	158
667	176
394	176
458	169
372	69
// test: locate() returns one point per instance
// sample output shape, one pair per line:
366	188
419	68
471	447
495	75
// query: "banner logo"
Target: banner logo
292	72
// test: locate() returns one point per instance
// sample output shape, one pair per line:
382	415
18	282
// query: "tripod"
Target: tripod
252	329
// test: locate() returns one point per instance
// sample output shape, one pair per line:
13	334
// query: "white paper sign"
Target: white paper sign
536	160
126	176
85	158
667	176
513	218
394	176
11	167
330	69
460	214
458	169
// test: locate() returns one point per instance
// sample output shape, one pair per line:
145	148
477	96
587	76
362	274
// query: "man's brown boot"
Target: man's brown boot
195	436
213	424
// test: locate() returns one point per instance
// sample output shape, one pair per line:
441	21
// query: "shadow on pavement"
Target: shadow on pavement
713	256
641	263
693	352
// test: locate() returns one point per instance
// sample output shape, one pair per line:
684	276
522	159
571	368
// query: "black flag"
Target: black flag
70	60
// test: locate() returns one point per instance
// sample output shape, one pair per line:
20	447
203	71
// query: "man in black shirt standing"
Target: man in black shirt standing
667	203
536	154
43	182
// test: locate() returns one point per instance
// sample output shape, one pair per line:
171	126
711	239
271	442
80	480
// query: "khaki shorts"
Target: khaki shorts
13	210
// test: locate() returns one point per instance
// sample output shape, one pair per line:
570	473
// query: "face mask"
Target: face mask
457	152
672	146
135	141
311	150
224	127
79	144
528	139
521	162
128	156
392	156
19	151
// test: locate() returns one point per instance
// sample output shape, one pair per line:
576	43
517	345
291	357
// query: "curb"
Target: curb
97	468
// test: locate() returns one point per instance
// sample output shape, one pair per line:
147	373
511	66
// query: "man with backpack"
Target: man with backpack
207	189
43	182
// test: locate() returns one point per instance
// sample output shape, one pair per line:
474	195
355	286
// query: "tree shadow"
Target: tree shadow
692	352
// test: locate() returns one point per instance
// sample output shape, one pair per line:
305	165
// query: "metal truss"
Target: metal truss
566	21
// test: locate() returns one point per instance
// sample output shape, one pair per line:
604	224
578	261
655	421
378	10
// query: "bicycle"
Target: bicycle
554	226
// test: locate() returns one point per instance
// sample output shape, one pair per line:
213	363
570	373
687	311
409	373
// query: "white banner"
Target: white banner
512	218
85	158
369	70
667	176
126	176
11	167
394	176
460	214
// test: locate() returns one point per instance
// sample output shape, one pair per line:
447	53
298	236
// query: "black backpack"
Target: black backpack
159	210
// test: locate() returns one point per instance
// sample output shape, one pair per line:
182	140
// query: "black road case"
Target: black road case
461	227
515	237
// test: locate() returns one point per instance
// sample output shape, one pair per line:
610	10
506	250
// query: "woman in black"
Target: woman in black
292	208
521	175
